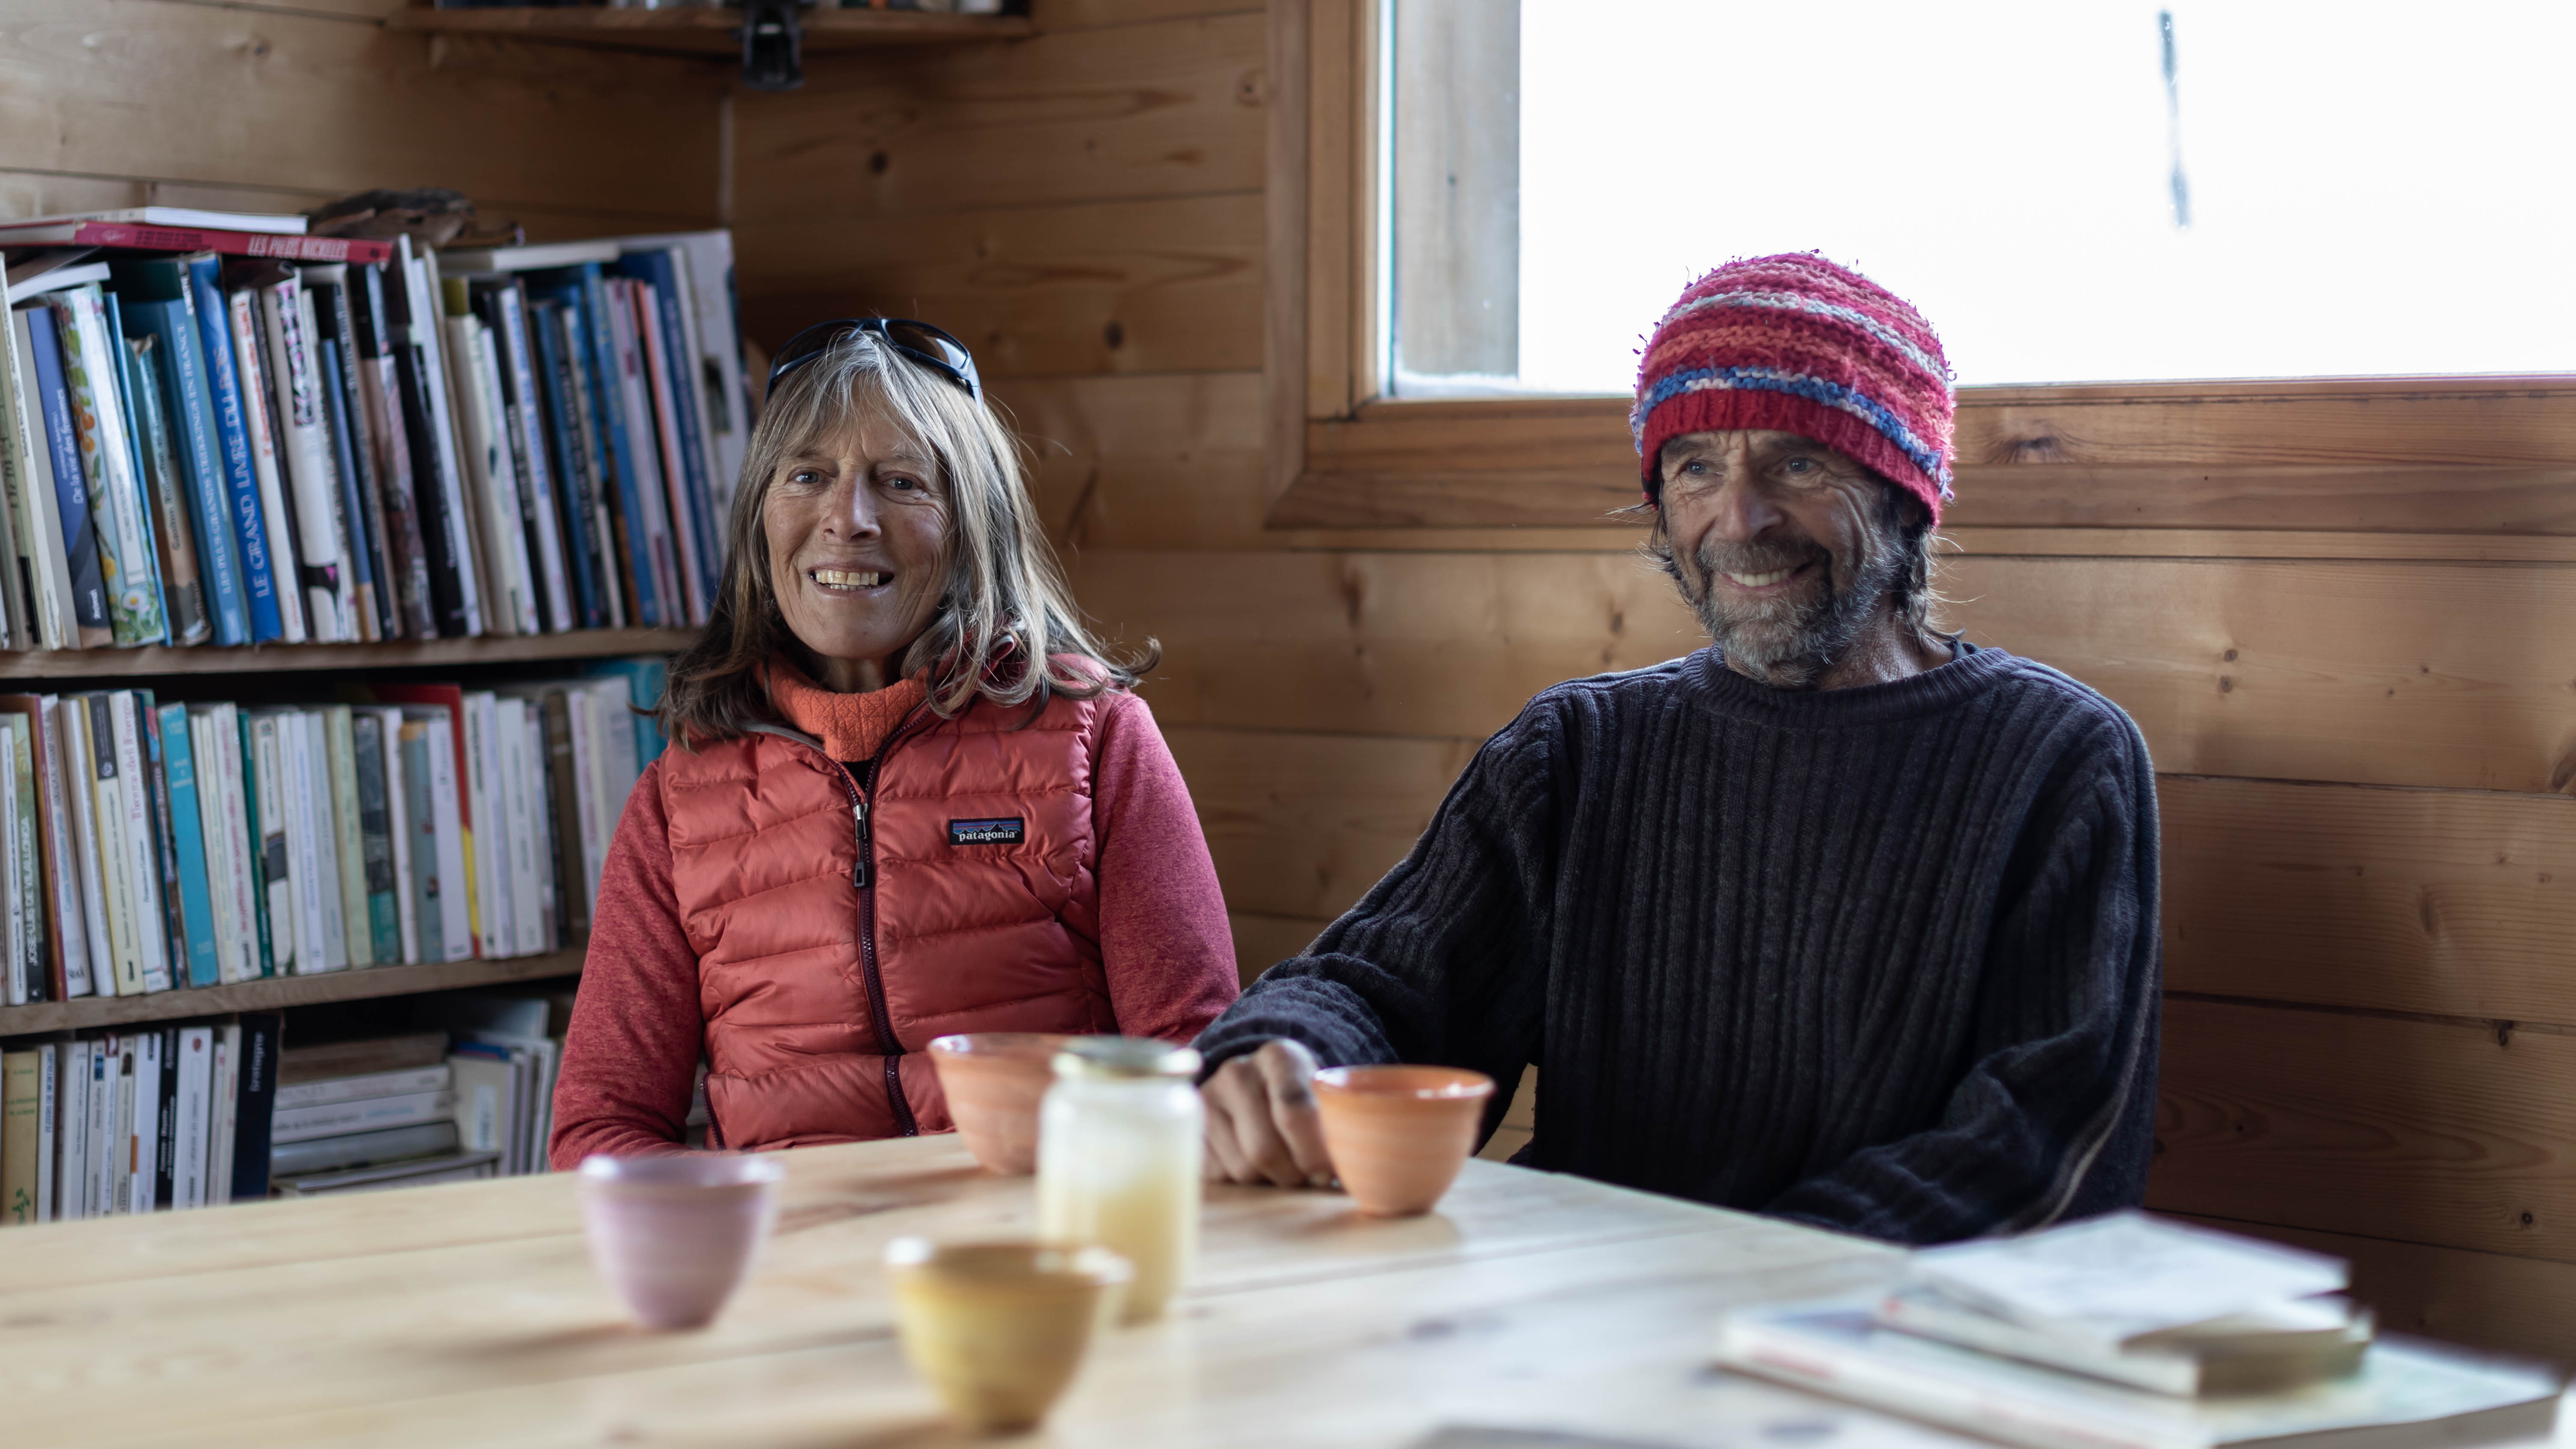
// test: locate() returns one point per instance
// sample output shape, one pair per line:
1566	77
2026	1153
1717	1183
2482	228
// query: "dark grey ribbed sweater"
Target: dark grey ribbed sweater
1881	959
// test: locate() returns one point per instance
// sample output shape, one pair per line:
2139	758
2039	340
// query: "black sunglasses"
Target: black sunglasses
919	341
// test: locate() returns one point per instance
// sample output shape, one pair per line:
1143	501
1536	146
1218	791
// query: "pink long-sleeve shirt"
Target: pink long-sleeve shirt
630	1060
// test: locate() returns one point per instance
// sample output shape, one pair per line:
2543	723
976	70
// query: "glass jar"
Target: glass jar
1120	1143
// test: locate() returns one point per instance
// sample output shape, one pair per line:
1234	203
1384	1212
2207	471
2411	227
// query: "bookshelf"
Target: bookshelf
708	32
84	1013
153	661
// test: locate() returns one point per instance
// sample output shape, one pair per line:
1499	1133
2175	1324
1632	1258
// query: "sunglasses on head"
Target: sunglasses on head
919	341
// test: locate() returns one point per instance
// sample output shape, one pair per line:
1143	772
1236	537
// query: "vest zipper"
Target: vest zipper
863	879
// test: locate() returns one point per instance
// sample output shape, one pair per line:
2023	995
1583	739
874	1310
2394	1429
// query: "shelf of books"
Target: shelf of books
341	575
706	30
275	993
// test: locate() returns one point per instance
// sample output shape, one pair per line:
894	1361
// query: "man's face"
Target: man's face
1784	547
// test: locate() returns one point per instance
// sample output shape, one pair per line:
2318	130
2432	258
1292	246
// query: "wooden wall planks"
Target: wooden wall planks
1302	824
2442	902
1164	285
1165	109
2490	1300
2455	1135
319	105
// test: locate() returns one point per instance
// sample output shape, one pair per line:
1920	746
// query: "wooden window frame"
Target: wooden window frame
2369	455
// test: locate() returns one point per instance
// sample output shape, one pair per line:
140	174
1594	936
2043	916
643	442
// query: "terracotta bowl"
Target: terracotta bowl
1398	1135
675	1235
999	1328
994	1081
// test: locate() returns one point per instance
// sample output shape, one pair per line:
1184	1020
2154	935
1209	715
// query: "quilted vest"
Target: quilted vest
846	914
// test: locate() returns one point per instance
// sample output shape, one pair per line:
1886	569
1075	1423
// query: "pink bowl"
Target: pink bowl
674	1235
994	1081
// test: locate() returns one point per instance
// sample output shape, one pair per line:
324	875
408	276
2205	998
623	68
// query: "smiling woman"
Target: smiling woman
912	796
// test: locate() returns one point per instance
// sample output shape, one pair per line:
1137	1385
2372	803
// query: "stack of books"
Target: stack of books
149	847
2132	1332
215	429
360	1115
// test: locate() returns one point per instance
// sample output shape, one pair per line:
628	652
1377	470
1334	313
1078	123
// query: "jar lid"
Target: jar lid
1124	1058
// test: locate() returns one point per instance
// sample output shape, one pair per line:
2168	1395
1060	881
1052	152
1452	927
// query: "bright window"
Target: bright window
2348	188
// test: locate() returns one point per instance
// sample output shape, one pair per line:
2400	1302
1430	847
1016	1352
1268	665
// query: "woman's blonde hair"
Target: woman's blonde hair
1006	627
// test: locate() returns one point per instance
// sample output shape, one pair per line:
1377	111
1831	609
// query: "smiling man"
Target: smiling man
1840	918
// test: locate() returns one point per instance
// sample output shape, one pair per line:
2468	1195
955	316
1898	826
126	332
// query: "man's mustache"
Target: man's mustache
1716	557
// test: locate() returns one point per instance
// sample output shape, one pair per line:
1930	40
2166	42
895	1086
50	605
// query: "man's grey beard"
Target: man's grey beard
1789	644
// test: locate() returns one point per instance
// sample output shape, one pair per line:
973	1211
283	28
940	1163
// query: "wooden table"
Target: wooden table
469	1315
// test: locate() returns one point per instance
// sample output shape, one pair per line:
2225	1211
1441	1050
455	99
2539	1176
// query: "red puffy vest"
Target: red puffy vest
845	915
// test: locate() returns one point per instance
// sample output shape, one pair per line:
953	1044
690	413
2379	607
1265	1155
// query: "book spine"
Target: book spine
67	940
424	921
348	834
309	774
454	517
143	856
373	1114
197	239
360	499
196	1086
254	1103
259	412
20	448
71	480
594	350
131	488
576	491
28	878
71	1130
572	898
505	515
18	986
183	589
221	1106
381	399
248	521
312	485
163	835
455	855
347	456
276	857
192	414
376	833
539	511
49	1060
403	1081
143	1192
228	845
480	448
206	772
21	1099
71	735
116	861
682	474
111	1085
639	470
165	1120
188	836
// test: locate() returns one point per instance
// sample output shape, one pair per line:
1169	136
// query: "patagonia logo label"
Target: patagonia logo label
1010	830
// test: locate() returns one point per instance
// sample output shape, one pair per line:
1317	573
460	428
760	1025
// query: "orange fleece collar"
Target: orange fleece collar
851	726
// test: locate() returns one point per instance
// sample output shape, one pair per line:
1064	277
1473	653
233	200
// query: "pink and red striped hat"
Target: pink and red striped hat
1796	344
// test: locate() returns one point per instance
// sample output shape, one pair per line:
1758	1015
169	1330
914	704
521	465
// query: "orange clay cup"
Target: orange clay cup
1398	1135
993	1081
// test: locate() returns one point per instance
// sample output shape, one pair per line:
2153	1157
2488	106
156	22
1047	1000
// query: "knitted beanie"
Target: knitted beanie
1795	344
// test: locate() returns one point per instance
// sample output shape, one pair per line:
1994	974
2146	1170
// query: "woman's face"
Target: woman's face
857	526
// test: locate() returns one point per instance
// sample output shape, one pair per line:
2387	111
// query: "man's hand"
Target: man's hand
1262	1126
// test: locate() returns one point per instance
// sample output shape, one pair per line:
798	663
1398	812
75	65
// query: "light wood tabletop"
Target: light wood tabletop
469	1314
